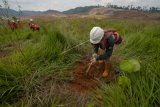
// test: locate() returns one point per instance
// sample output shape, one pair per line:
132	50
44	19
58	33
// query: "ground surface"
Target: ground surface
84	82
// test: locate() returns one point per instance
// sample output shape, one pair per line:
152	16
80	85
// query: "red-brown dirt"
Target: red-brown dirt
86	82
80	84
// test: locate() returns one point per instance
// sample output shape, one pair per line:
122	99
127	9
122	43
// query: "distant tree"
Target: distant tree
145	8
126	7
154	9
139	8
131	7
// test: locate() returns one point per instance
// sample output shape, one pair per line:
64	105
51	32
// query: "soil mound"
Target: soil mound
82	81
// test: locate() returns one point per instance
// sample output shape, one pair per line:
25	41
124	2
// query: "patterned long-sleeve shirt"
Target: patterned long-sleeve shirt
108	47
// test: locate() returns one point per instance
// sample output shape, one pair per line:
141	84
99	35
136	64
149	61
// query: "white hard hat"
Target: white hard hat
96	34
31	19
13	21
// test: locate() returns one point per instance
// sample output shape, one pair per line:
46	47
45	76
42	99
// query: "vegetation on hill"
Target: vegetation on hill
138	8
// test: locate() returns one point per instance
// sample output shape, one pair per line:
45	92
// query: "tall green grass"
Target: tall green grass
40	54
142	43
43	56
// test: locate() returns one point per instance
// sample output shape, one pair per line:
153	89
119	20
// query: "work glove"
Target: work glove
93	60
94	55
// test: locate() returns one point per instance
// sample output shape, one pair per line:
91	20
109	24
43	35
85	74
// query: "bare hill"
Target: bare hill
100	13
121	13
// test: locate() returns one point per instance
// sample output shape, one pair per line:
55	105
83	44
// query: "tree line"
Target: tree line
139	8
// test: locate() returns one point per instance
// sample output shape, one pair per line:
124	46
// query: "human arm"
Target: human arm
95	52
95	48
109	50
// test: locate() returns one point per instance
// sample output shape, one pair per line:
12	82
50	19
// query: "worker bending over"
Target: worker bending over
12	24
104	40
33	26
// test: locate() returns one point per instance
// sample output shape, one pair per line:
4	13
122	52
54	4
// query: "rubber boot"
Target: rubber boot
107	69
100	62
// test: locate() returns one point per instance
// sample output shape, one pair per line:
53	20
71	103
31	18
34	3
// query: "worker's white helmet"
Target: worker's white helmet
96	34
31	20
12	21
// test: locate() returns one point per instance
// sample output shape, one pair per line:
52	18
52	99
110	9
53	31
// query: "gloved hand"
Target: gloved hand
94	55
93	60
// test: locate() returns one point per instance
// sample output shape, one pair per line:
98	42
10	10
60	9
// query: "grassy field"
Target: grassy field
28	59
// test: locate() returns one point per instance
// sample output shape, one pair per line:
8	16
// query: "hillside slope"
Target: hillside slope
121	13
